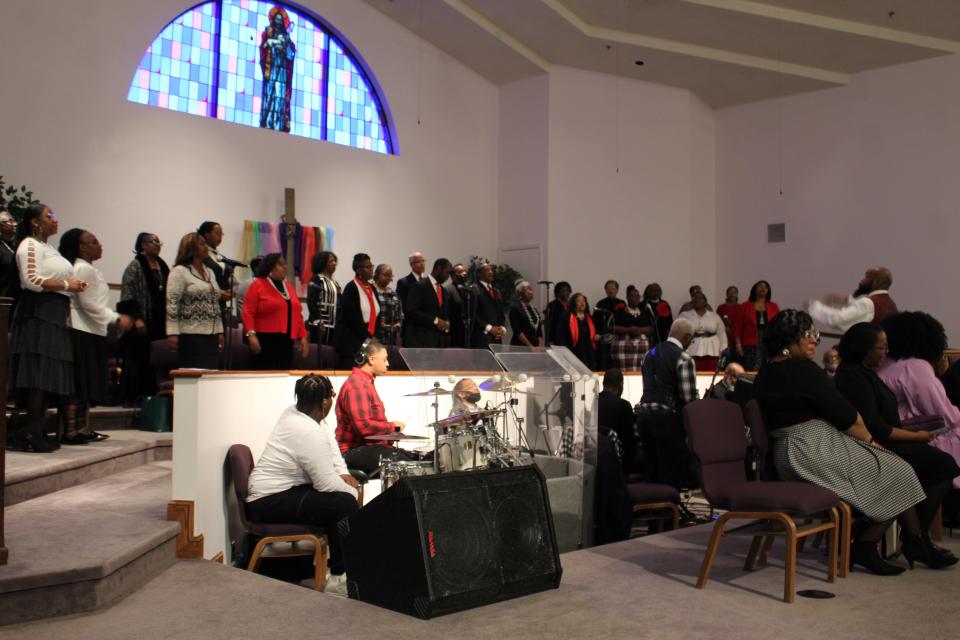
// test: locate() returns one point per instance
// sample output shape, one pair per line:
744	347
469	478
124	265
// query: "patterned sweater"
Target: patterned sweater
193	302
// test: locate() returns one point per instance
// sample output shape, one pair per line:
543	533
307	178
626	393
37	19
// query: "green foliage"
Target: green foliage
15	199
505	279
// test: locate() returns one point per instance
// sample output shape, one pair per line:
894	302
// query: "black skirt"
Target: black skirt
198	351
89	367
41	353
276	353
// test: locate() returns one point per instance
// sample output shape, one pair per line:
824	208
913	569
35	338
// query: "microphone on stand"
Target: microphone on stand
544	281
721	364
233	263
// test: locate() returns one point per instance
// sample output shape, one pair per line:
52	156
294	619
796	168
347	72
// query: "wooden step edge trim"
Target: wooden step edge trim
189	546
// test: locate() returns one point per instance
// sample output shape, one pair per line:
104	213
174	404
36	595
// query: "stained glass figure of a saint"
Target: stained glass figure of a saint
277	52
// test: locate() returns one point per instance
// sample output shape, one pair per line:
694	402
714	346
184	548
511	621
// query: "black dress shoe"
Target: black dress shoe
866	555
920	549
92	436
75	439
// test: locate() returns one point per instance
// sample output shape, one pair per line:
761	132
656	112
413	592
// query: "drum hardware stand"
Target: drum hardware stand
512	403
436	430
546	421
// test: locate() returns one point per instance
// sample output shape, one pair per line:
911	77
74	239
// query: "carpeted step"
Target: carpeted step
30	475
87	546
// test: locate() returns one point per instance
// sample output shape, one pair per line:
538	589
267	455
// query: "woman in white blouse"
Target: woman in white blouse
709	334
194	323
41	371
90	315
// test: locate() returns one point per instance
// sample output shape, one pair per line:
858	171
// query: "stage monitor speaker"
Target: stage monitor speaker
432	545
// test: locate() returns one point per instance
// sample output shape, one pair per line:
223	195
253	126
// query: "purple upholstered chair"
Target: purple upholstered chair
715	430
765	471
241	465
308	361
163	359
649	498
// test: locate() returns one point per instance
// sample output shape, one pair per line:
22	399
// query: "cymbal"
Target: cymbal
498	386
436	391
394	437
458	419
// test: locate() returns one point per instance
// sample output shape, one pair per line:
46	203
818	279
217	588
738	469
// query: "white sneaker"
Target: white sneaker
336	585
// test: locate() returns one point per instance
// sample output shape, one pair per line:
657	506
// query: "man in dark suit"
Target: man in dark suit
358	312
488	324
418	265
452	289
428	321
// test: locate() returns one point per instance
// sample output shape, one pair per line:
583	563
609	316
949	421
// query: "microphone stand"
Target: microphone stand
226	316
656	321
721	363
466	295
436	428
547	313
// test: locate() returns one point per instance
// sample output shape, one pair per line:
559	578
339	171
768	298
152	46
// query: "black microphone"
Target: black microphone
544	281
724	357
233	263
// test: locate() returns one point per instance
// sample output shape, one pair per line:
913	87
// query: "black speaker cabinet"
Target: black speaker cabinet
432	545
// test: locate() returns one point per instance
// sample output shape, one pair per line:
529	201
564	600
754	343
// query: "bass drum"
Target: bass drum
463	450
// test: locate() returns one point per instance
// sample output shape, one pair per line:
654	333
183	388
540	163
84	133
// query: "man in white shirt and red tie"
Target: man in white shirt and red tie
489	322
358	313
427	309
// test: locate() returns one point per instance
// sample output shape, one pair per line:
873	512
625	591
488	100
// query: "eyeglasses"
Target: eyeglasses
812	334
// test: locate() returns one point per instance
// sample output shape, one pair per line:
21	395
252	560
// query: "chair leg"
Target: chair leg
817	540
255	556
832	537
846	520
752	553
676	517
790	560
711	552
320	560
765	551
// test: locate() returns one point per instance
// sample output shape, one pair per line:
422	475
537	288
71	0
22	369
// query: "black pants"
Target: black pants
306	505
667	459
367	457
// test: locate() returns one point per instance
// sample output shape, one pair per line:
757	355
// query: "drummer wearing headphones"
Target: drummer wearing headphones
360	412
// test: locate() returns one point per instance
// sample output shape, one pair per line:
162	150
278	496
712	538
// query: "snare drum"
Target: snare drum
463	450
392	470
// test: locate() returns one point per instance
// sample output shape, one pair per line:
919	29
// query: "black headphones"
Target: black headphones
361	358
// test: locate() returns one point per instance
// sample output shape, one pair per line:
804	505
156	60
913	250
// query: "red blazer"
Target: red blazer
265	310
745	324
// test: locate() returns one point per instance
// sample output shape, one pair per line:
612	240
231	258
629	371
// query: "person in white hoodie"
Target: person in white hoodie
301	476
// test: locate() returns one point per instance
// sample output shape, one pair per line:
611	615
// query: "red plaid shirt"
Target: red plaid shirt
360	412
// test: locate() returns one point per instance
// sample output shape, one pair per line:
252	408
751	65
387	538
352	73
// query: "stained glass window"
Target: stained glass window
211	61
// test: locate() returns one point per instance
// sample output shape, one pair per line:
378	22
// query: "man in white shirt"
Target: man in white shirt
871	302
301	476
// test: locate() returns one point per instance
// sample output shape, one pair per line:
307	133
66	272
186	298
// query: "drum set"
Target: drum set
464	441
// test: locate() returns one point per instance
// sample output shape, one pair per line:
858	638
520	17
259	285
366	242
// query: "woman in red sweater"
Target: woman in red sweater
273	317
751	323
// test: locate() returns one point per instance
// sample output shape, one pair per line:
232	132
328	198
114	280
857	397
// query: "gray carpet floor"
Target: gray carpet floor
636	589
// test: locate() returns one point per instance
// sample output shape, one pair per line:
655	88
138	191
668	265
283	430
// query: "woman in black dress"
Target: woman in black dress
862	349
632	328
819	437
525	320
578	333
143	296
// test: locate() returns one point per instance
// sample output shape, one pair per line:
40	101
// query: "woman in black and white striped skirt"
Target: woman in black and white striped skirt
820	438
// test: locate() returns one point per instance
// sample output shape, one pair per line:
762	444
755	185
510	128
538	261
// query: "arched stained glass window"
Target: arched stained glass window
268	65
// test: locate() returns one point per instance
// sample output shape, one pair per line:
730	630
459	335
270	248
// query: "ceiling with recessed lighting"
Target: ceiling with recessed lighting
726	52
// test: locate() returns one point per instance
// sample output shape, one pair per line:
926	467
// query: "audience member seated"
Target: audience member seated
301	476
358	313
142	295
659	312
750	325
89	318
917	341
728	312
723	390
615	414
689	304
669	383
525	319
273	317
194	321
709	333
323	297
632	328
41	357
556	311
819	437
862	349
578	332
360	412
831	360
951	382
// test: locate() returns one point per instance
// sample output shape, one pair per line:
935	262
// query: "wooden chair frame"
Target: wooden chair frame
654	506
319	552
788	528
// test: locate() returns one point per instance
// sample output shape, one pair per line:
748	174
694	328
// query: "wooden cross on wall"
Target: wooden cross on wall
290	220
